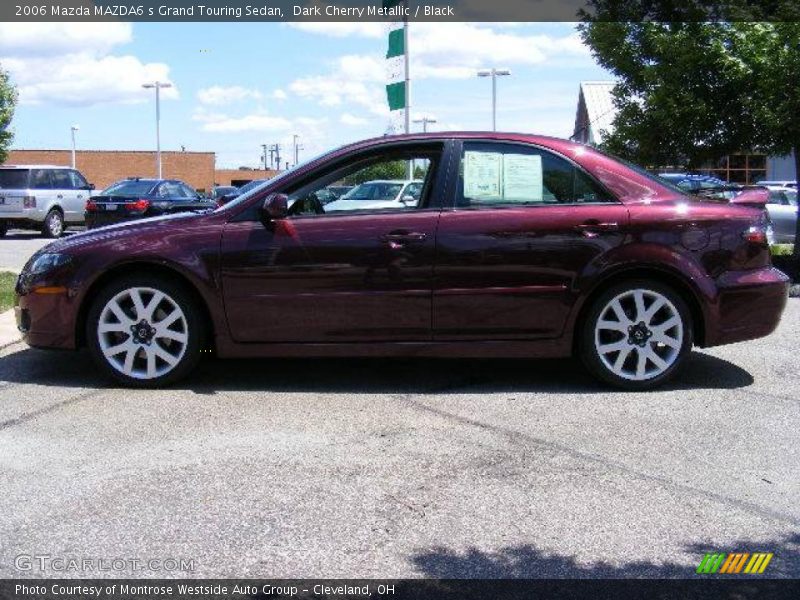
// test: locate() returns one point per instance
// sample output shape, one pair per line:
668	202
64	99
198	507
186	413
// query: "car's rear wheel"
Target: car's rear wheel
53	225
637	335
145	331
3	228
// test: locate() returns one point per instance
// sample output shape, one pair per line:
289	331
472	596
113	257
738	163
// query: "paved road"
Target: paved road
381	468
18	245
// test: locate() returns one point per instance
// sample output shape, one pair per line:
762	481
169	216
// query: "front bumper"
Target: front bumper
47	320
749	305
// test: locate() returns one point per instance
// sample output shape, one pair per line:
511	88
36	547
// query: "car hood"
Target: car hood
125	229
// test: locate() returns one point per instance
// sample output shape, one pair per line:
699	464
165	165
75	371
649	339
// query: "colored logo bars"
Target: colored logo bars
734	563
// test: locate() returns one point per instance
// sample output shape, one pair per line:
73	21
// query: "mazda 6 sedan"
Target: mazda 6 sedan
519	246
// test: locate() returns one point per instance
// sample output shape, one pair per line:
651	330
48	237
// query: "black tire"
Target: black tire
3	228
53	225
176	292
591	356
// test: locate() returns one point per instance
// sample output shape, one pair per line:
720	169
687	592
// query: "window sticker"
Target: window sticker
482	173
522	178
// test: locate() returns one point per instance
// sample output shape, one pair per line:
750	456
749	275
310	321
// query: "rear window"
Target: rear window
14	179
128	188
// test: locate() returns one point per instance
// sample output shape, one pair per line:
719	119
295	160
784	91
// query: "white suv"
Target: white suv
42	197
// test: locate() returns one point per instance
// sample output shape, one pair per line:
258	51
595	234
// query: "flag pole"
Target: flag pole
410	164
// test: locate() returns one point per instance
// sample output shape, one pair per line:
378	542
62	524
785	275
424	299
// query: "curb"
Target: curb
9	334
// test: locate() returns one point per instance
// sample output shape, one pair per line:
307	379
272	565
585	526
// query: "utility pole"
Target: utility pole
425	121
297	148
278	155
264	156
271	156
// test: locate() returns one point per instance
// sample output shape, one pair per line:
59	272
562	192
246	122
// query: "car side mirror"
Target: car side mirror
275	208
89	186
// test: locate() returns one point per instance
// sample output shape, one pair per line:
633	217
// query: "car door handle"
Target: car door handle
60	196
80	196
595	228
404	237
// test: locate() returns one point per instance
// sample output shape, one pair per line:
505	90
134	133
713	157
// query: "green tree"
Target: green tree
692	92
8	101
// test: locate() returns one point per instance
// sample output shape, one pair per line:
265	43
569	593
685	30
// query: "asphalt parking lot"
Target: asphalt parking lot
18	245
392	468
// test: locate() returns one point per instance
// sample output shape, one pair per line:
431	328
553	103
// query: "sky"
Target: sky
237	86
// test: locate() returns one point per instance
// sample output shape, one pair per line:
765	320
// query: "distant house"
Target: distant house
595	114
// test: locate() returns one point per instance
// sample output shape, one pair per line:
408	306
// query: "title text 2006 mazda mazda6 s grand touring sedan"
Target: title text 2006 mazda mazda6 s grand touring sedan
519	245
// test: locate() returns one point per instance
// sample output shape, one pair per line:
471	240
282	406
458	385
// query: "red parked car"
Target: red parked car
519	245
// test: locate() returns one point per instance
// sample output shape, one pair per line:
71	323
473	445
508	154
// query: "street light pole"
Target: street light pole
425	121
158	85
494	74
74	128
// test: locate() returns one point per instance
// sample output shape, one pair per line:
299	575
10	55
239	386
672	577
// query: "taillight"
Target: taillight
29	202
91	206
140	205
756	234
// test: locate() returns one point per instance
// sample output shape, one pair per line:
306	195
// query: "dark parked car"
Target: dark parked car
222	191
135	198
250	185
520	246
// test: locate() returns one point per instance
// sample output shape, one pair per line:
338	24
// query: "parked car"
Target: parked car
520	246
781	183
782	208
699	184
250	185
43	197
378	194
138	198
221	191
337	191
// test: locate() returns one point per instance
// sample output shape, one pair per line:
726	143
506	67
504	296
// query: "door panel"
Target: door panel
508	273
332	278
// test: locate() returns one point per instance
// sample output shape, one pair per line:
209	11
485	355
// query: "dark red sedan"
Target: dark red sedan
519	245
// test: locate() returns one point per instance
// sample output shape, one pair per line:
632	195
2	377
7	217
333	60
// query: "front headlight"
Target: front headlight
47	262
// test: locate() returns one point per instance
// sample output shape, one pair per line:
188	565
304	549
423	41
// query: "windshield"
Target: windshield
128	188
14	178
791	195
374	191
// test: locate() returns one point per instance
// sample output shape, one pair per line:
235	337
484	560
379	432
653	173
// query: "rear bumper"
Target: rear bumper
100	219
749	306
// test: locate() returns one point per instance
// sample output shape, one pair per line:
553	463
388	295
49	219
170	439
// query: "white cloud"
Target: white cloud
217	95
54	39
279	94
342	29
71	63
352	120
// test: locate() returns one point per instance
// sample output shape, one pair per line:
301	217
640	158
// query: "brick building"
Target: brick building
103	167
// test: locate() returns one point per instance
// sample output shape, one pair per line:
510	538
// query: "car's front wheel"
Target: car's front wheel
145	331
637	335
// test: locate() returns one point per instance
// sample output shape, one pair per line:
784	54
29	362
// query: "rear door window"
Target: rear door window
14	179
41	180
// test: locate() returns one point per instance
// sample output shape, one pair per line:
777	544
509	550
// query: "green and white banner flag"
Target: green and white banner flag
396	88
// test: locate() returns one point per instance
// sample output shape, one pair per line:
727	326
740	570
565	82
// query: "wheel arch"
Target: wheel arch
676	281
148	269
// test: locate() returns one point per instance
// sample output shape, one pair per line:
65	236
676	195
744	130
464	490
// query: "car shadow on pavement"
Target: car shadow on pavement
528	562
368	375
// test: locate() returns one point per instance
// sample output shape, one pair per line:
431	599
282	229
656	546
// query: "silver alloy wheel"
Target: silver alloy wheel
143	333
639	334
55	224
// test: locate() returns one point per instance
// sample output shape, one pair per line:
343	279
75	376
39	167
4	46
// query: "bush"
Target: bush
782	249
